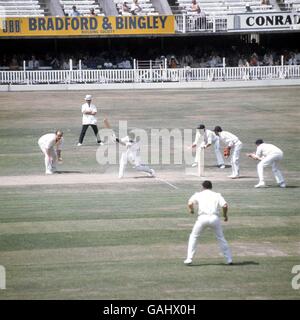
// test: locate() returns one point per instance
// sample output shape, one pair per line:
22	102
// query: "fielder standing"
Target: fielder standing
268	155
209	138
132	155
89	112
233	144
208	203
51	145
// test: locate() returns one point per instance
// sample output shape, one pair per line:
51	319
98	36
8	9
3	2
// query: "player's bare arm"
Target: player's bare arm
253	156
59	155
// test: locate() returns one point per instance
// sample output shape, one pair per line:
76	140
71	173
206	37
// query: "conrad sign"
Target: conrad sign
261	22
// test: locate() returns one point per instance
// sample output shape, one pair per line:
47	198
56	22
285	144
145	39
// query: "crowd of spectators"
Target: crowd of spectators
198	57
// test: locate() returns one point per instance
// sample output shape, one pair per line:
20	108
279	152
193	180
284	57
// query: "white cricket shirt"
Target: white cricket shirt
88	118
133	151
229	138
208	202
266	149
210	136
48	141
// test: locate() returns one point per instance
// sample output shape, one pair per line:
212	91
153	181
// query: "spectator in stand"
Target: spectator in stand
135	8
243	62
203	63
268	59
173	62
187	60
33	64
248	7
92	13
107	64
55	63
65	65
14	65
254	60
195	8
215	60
297	56
125	10
292	61
265	2
75	12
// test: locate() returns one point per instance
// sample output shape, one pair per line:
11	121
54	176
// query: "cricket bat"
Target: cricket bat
106	123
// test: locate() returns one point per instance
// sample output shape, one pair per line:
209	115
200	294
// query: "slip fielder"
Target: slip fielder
267	154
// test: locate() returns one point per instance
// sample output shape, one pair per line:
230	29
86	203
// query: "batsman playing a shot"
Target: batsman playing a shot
51	145
132	155
209	138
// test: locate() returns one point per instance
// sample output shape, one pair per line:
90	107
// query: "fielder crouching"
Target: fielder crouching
51	145
132	155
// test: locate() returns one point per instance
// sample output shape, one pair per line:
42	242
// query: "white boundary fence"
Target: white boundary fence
149	75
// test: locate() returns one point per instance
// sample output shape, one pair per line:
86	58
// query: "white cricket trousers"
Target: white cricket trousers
235	159
220	160
271	159
50	162
212	221
123	163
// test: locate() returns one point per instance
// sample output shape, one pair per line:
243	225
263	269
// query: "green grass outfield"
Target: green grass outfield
101	238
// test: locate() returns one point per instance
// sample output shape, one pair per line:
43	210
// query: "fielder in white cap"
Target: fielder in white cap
89	112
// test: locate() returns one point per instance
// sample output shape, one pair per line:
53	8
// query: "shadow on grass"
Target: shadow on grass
241	263
66	172
276	187
143	177
215	166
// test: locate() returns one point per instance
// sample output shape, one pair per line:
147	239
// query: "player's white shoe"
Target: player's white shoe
194	164
152	173
79	144
222	166
49	172
261	184
188	261
233	176
282	185
100	143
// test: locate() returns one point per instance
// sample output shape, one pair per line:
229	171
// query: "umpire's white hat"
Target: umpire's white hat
88	97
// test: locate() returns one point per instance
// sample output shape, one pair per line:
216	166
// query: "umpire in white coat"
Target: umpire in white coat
89	112
268	154
208	203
